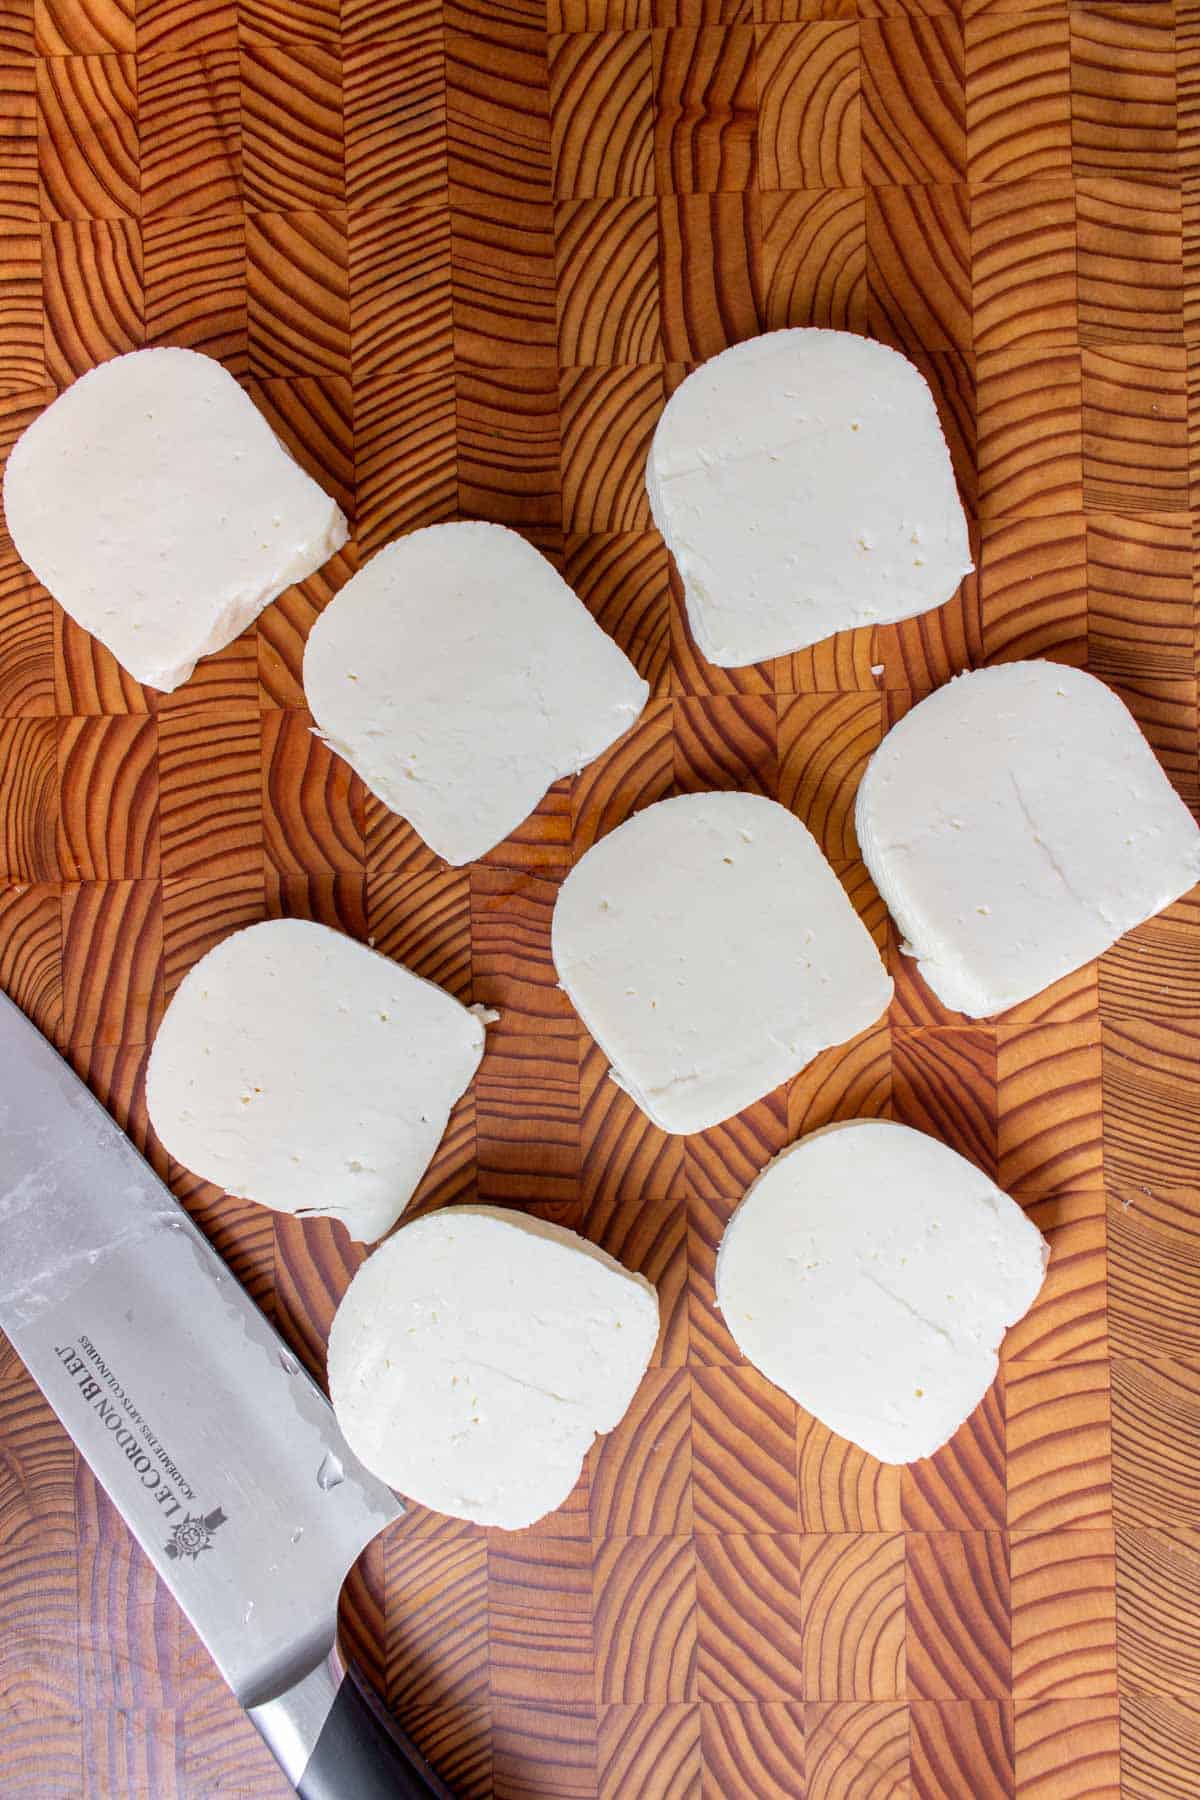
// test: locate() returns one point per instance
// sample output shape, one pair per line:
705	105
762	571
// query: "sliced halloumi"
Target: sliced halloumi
159	508
300	1069
476	1355
1016	822
870	1272
803	486
461	677
711	952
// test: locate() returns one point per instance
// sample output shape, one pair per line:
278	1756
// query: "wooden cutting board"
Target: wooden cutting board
459	251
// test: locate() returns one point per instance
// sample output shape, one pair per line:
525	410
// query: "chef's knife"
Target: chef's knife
223	1457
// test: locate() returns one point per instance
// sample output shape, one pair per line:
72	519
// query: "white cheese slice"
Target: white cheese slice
1016	822
870	1272
461	677
803	486
297	1068
159	508
711	952
477	1353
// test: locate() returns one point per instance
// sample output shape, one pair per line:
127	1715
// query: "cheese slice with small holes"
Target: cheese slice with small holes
871	1272
461	677
712	952
476	1355
159	508
300	1069
1016	823
803	486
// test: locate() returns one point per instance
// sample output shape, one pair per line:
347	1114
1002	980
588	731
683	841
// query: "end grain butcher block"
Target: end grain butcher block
459	253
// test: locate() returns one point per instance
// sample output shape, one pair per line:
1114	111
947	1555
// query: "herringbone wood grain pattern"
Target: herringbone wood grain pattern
460	251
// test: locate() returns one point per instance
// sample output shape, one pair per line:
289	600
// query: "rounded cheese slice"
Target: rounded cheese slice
711	952
803	486
870	1273
1016	822
297	1068
477	1353
159	508
461	677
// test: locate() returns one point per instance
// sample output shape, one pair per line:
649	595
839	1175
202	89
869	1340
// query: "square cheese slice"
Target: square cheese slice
711	951
1016	822
870	1272
476	1355
803	486
159	508
300	1069
461	677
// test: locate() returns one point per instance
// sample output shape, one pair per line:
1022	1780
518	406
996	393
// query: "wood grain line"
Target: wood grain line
963	1485
87	137
311	800
645	1620
607	418
401	314
753	1749
856	1751
601	112
914	126
852	1617
648	1749
1018	71
297	288
957	1615
92	289
641	1473
1067	1744
394	88
810	132
1059	1446
195	288
189	134
1063	1615
621	577
1153	1273
291	111
1158	1587
608	301
962	1746
1160	1747
814	254
108	824
1156	1406
30	803
314	1261
749	1591
704	110
1023	275
436	1644
744	1454
842	1489
209	830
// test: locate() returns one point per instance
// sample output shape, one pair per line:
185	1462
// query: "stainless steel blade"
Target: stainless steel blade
222	1455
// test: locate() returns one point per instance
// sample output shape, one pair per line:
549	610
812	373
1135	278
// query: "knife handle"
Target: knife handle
335	1740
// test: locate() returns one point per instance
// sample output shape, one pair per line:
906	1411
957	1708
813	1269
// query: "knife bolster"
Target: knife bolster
335	1740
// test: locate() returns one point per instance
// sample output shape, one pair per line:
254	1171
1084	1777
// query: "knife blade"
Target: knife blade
221	1454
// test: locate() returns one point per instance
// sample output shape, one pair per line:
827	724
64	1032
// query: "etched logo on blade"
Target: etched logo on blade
145	1456
193	1534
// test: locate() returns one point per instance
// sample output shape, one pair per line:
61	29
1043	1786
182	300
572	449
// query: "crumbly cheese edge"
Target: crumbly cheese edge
502	1516
163	1047
695	599
463	847
947	975
243	608
990	1352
